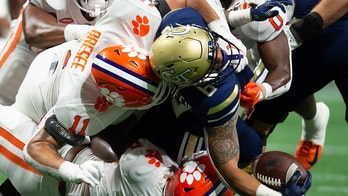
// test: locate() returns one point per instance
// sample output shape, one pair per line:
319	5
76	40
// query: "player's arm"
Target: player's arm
330	11
253	12
42	30
15	7
41	152
44	144
323	15
212	14
276	58
223	148
202	6
275	55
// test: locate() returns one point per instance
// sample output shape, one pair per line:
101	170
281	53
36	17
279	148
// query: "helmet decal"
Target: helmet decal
123	75
196	176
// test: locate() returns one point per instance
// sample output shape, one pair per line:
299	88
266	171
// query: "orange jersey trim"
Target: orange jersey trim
12	41
11	156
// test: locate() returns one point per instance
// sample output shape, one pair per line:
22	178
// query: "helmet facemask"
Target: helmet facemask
94	7
188	55
184	55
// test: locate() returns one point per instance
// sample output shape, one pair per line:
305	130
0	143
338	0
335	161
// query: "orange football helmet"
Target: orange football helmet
123	75
196	177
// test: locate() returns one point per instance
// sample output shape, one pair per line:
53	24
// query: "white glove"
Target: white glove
89	172
76	31
291	39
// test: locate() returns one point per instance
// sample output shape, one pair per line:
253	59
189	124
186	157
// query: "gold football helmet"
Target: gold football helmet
184	55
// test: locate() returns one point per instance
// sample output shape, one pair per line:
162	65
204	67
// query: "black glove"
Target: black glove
263	11
292	189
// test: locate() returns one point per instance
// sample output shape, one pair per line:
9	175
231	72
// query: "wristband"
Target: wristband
266	89
238	18
263	190
307	27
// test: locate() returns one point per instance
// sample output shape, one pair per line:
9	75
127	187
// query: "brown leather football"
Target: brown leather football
275	168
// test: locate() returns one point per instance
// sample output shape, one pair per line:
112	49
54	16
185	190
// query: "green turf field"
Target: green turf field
2	178
330	176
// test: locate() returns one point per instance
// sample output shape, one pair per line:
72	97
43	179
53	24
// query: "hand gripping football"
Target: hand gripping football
275	168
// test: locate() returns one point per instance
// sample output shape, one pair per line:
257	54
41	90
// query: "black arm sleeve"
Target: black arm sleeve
163	7
308	27
58	132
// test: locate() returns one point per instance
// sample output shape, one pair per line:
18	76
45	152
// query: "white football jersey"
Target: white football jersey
260	30
142	170
63	84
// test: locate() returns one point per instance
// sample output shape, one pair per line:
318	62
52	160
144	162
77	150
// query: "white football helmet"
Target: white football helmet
94	7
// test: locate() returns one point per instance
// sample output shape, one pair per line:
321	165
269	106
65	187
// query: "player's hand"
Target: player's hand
263	11
292	189
251	95
89	172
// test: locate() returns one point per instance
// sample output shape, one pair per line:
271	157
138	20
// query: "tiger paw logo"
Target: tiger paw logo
113	97
192	172
154	157
102	104
135	52
141	26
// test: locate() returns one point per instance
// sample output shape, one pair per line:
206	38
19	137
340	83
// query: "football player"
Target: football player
264	32
269	49
153	164
207	83
316	29
79	95
42	24
143	169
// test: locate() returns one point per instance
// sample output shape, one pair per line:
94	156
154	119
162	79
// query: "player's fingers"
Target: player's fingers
95	169
276	4
89	179
308	182
286	2
253	5
100	168
272	13
296	177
